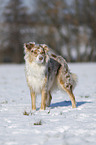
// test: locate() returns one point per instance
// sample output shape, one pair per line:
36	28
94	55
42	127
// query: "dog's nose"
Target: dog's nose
40	58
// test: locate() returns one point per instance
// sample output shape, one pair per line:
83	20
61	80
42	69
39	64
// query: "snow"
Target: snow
60	124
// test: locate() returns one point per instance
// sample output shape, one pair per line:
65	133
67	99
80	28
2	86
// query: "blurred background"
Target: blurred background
67	26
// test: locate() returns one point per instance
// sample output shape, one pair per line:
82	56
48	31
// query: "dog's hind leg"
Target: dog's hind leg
49	98
72	97
69	91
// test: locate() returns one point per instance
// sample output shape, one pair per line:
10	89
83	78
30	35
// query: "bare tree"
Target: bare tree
14	17
67	27
57	14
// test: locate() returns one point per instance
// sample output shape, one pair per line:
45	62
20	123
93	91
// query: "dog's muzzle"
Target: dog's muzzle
40	59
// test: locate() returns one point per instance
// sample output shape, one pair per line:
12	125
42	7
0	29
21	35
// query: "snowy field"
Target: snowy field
59	124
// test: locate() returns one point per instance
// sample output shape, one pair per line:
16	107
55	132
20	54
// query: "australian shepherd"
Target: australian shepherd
45	72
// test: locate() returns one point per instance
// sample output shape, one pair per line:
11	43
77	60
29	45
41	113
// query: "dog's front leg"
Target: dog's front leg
43	99
33	100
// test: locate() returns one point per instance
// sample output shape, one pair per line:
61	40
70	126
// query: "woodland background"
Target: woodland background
67	26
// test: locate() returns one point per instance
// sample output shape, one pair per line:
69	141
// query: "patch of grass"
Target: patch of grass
26	113
31	113
81	96
4	102
49	112
38	123
61	113
85	96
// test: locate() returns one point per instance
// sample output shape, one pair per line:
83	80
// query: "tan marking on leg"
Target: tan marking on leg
44	96
70	93
72	97
61	82
33	100
43	99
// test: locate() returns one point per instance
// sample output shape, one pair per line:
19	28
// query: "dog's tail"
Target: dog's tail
75	80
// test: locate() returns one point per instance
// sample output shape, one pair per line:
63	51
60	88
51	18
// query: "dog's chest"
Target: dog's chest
35	76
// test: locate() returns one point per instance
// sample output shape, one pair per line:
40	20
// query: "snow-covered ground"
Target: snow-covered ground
60	124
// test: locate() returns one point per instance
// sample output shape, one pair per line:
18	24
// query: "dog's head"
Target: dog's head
36	53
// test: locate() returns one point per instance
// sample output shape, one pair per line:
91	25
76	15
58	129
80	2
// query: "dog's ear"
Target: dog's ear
29	46
45	47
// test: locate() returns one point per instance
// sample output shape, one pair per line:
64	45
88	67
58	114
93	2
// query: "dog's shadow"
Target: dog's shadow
67	103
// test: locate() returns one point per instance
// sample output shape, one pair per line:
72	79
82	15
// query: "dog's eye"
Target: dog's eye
35	52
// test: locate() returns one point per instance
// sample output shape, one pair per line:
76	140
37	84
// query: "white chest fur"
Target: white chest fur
35	74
